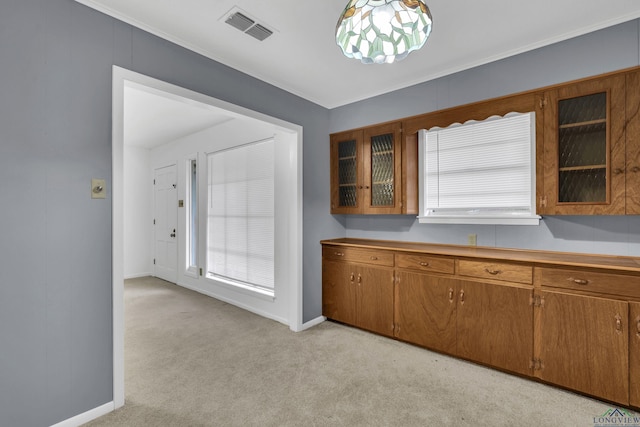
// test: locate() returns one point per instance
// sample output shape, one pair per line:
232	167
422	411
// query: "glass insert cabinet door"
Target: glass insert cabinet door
366	171
584	148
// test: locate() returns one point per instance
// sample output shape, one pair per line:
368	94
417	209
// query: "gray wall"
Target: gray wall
55	135
56	60
595	53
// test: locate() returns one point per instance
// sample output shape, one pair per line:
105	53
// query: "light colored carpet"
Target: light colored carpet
191	360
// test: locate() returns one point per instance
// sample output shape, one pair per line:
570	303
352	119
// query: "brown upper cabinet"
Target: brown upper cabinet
369	172
584	148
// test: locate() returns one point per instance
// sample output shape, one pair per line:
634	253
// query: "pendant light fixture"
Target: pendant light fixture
383	31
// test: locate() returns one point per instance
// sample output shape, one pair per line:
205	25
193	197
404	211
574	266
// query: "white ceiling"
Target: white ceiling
152	119
302	57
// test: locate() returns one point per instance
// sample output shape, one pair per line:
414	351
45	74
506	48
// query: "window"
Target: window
240	241
479	172
192	217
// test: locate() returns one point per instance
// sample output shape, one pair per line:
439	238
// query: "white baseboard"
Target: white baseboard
138	275
311	323
86	416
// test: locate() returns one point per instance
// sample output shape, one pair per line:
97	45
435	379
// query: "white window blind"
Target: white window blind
240	244
479	172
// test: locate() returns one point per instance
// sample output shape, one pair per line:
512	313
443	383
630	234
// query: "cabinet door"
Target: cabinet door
346	173
339	291
375	299
426	310
584	344
584	148
383	169
495	325
632	169
634	354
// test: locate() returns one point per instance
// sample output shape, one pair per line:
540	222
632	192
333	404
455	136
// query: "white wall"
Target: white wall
138	214
232	133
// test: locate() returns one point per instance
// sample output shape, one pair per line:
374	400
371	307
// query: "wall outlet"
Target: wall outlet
472	239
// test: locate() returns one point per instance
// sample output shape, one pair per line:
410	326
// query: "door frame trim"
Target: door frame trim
122	77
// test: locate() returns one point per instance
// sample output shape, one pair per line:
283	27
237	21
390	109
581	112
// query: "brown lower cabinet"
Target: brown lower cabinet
571	320
359	295
488	323
585	344
634	354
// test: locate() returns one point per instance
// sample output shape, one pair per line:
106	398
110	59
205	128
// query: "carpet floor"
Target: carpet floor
191	360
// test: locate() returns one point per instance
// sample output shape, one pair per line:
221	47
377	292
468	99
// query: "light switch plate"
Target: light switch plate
98	188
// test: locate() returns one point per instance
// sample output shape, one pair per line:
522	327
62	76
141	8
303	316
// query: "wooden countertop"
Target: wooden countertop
537	257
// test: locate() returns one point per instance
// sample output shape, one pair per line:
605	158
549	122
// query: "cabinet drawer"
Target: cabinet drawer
366	256
425	263
605	283
498	271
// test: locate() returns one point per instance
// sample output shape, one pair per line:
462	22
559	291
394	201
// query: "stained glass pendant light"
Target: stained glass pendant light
383	31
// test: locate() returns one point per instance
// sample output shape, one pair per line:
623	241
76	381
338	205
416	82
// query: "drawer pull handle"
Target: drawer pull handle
618	323
580	281
373	258
353	277
339	253
635	169
461	296
424	264
638	326
493	272
618	171
359	278
451	300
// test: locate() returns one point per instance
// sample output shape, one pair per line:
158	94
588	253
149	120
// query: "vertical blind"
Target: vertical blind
240	241
480	167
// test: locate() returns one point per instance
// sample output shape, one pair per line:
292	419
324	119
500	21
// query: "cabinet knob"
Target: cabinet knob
353	277
461	296
451	300
635	169
359	278
618	171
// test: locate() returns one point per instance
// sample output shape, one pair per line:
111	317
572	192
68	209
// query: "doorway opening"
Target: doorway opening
287	307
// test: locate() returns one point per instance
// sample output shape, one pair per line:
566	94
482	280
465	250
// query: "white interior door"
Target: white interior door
166	224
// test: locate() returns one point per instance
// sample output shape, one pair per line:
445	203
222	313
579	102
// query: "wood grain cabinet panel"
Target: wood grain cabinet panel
634	354
584	280
366	256
426	310
585	345
632	167
495	325
426	263
339	291
496	270
357	293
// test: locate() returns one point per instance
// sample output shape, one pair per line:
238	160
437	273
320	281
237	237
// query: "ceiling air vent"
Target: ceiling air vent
259	32
247	25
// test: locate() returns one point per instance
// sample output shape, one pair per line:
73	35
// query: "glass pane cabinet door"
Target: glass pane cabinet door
347	174
382	170
582	149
